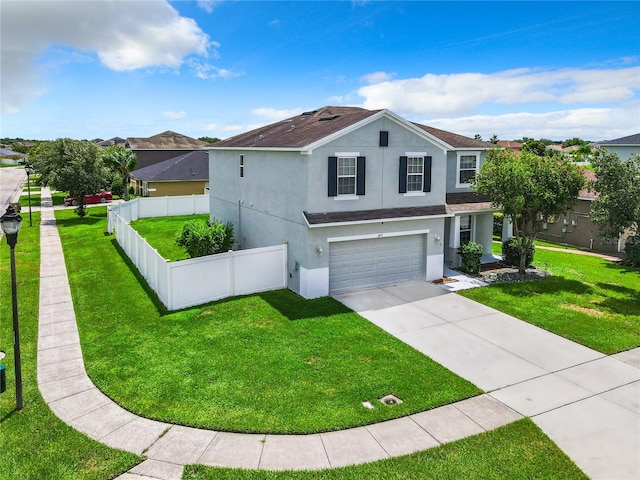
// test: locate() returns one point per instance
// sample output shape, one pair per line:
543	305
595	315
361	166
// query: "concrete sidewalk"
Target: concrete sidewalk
65	386
587	402
572	392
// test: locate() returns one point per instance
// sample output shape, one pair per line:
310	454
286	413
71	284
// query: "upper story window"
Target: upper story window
241	165
468	164
346	175
347	168
415	174
465	229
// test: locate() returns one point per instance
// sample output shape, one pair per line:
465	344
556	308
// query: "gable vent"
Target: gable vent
326	119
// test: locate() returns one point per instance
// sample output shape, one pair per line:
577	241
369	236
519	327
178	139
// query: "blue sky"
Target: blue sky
87	69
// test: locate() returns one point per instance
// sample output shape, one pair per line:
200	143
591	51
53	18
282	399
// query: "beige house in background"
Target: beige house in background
186	174
578	229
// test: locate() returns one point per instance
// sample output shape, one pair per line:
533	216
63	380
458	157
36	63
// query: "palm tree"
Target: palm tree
122	160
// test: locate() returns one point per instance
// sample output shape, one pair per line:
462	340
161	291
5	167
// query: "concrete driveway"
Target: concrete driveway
587	402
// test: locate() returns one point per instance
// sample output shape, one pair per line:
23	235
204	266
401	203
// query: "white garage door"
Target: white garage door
373	262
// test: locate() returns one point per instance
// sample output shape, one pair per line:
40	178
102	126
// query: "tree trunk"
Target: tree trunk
523	255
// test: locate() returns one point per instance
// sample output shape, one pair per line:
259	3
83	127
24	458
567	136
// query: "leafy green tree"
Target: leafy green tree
570	142
617	207
123	161
536	147
73	166
528	188
209	139
494	139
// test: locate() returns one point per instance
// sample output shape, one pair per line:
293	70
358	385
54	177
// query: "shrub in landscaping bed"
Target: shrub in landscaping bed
632	251
511	252
471	254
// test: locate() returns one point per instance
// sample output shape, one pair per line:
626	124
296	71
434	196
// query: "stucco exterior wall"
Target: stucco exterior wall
624	153
382	169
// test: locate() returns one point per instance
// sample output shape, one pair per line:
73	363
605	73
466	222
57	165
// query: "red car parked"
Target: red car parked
101	197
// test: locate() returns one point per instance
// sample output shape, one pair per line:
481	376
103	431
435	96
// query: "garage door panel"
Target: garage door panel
378	261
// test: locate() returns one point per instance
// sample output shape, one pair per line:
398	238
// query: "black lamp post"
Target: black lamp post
29	169
11	223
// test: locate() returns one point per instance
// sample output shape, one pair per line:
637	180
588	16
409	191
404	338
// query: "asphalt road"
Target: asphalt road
11	183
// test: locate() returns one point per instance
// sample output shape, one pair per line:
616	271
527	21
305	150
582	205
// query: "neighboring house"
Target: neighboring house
624	147
111	142
9	157
577	228
186	174
162	146
363	198
511	145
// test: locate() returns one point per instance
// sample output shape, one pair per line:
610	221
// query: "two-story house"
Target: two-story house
363	198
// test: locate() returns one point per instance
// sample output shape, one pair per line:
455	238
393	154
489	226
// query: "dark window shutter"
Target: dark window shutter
333	177
361	174
426	184
402	175
384	138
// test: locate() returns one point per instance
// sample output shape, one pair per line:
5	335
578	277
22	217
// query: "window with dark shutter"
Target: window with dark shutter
361	175
384	138
426	187
402	175
333	176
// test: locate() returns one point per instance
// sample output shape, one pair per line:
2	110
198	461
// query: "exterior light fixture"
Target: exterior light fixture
11	223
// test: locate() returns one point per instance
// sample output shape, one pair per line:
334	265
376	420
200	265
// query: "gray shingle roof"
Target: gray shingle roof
628	140
301	130
310	127
186	167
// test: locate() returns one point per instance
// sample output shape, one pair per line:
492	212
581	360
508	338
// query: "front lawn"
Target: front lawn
517	451
270	363
34	443
161	234
589	300
57	198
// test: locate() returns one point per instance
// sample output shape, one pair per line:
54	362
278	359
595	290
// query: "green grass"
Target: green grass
272	363
34	443
516	451
161	234
589	300
36	200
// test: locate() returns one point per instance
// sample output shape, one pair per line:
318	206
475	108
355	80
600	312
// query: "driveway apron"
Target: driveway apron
587	402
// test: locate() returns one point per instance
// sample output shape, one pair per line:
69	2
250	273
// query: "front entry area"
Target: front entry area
372	262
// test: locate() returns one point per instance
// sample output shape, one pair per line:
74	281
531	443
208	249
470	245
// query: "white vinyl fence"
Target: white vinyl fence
197	280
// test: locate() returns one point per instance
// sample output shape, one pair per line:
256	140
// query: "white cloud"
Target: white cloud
274	115
377	77
587	123
175	115
125	35
208	5
464	93
207	71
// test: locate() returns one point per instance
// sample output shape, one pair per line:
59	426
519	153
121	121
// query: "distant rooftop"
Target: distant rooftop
188	166
166	141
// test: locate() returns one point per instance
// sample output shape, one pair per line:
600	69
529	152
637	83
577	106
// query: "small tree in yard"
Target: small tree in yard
123	161
73	166
528	188
617	207
202	238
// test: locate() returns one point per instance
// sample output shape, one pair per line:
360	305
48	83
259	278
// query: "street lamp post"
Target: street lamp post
29	169
11	223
